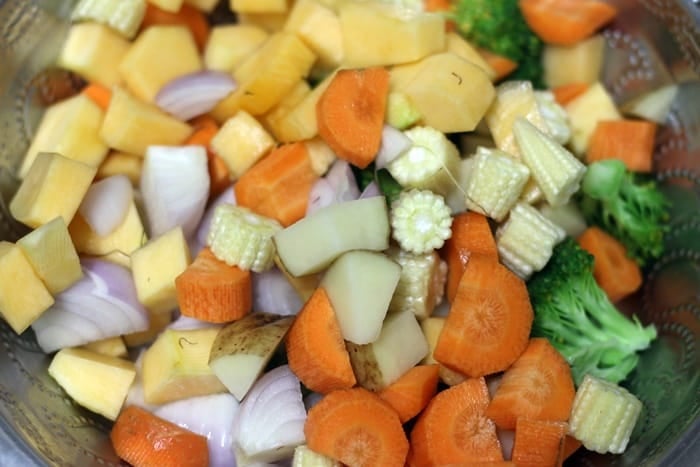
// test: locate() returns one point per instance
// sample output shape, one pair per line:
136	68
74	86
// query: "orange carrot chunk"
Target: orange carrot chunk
471	235
278	185
615	272
145	440
99	94
489	321
538	442
567	92
631	141
211	290
350	113
187	16
454	430
538	386
566	22
219	176
356	427
571	445
315	348
409	394
501	65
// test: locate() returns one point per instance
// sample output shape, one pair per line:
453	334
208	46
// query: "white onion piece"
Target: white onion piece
102	304
185	323
194	94
175	187
337	186
371	191
273	293
106	203
200	237
394	142
210	416
270	422
312	399
507	438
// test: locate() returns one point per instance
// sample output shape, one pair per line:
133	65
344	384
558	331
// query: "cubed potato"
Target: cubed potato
147	66
176	366
23	296
94	51
300	122
51	252
580	63
228	45
111	346
321	155
380	34
431	328
118	245
585	111
71	128
258	6
36	202
273	119
121	163
155	267
270	22
100	383
241	142
319	27
173	6
458	45
451	94
131	125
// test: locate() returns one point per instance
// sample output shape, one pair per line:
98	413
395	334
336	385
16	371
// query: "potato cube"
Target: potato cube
272	119
23	296
121	163
319	27
376	34
241	142
155	267
173	6
459	46
258	6
300	122
37	200
270	22
132	125
99	383
52	254
148	66
230	44
585	111
94	50
580	63
111	346
71	128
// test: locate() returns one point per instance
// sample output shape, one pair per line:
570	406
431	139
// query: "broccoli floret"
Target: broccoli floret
626	205
499	26
389	187
574	313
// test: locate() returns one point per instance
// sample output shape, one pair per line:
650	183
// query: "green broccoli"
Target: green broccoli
499	26
389	187
577	317
627	206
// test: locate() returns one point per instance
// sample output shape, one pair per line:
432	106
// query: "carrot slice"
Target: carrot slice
567	92
538	442
205	128
631	141
454	429
356	427
409	394
571	445
350	113
211	290
187	16
315	348
615	272
489	321
99	94
145	440
538	386
502	66
278	185
471	235
566	22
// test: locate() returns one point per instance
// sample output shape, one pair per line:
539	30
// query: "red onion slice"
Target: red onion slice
394	142
175	187
273	293
106	204
337	186
102	304
194	94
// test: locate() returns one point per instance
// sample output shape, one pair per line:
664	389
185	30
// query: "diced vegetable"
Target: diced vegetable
184	15
554	116
578	63
400	111
228	45
305	457
319	27
566	22
585	111
538	442
567	216
412	392
124	16
421	286
631	141
420	221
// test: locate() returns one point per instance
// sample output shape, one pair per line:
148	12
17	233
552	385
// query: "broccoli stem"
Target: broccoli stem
603	180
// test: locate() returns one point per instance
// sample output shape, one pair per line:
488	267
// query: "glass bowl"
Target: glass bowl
653	43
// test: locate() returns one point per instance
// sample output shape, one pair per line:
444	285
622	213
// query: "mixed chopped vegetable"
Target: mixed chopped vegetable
378	233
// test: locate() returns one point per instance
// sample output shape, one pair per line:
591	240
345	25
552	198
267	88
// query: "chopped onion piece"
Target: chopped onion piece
270	422
507	438
102	304
106	203
337	186
184	323
175	187
273	293
194	94
394	142
210	416
371	191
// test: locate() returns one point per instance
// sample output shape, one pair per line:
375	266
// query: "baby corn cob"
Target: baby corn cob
420	221
239	237
421	285
554	116
603	415
124	16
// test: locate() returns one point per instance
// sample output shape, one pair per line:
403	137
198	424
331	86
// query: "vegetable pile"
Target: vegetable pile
416	260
